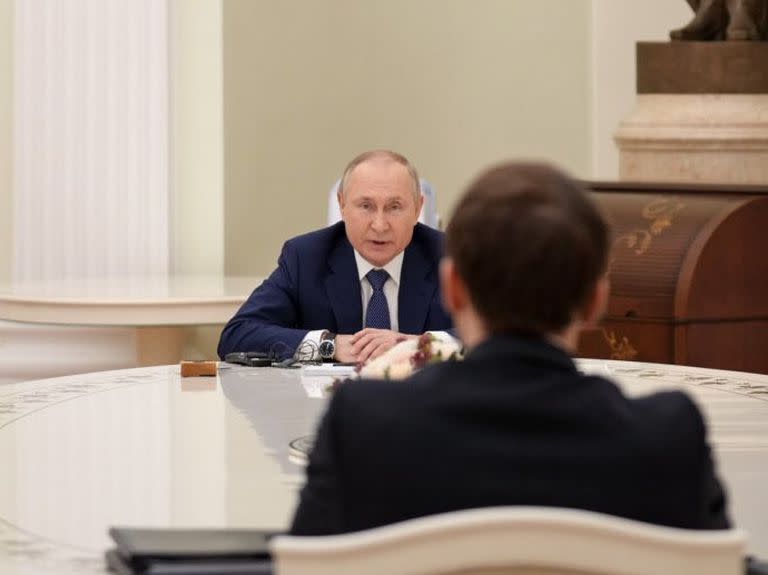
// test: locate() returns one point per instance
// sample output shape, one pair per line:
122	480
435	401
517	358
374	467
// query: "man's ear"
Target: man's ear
340	199
419	205
453	290
597	303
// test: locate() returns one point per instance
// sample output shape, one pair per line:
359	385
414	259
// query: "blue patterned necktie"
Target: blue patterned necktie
377	314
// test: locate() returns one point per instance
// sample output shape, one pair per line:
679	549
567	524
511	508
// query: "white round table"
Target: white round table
144	447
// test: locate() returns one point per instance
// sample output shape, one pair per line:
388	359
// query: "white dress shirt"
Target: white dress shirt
391	286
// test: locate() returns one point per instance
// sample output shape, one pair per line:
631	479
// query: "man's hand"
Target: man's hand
344	352
370	343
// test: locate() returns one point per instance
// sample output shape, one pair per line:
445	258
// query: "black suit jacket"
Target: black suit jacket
316	286
513	424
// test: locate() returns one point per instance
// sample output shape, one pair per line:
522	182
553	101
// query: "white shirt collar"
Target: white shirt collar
393	268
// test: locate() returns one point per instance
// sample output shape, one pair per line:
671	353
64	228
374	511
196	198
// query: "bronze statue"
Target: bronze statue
734	20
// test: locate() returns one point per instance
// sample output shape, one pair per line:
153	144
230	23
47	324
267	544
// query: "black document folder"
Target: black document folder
189	551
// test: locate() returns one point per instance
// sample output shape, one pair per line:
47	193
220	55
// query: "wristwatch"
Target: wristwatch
327	346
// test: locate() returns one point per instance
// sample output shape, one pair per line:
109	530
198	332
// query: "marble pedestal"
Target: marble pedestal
701	114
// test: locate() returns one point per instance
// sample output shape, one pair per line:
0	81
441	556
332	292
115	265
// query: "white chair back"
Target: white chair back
515	540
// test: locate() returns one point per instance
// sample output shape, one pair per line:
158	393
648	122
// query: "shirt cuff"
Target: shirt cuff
309	348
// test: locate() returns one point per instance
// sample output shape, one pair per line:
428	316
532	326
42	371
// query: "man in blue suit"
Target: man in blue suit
351	291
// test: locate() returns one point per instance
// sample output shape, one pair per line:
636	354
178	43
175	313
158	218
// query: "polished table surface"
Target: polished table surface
145	447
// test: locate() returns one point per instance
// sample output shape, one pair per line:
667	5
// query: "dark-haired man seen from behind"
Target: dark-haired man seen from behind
515	423
350	291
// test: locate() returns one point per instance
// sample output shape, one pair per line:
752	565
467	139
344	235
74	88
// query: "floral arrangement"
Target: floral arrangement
407	357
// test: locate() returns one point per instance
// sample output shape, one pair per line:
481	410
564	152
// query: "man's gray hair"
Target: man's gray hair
376	154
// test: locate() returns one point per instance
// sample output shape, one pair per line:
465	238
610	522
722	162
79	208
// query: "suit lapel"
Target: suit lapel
342	286
418	282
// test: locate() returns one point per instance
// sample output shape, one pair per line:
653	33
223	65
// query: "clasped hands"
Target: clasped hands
367	343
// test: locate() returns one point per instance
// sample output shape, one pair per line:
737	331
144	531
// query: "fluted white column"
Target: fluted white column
91	139
90	166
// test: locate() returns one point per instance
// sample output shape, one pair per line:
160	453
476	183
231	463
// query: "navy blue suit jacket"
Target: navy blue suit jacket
515	423
316	286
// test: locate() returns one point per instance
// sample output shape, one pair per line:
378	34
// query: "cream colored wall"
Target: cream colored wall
196	136
617	25
6	135
197	149
453	84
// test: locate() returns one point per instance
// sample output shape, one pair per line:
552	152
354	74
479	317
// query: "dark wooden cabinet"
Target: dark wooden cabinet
689	276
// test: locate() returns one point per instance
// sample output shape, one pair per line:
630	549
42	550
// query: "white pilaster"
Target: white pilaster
91	139
90	166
